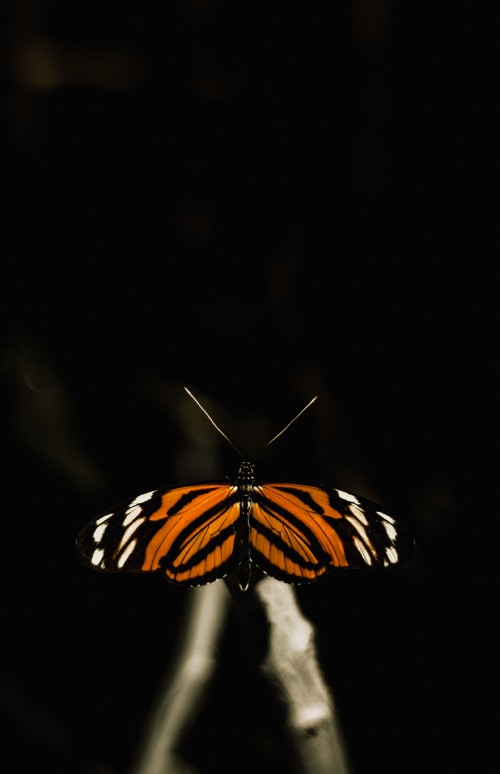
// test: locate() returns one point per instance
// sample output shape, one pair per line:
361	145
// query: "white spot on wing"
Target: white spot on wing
103	518
126	554
386	517
359	513
97	557
143	498
99	532
391	530
362	533
130	531
133	511
392	555
346	496
362	550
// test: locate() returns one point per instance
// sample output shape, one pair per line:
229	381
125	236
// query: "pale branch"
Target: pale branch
286	655
281	641
183	694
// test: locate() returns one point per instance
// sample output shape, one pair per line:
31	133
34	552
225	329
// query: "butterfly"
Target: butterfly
196	533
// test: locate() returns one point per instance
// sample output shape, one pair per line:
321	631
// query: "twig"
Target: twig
184	691
287	657
282	642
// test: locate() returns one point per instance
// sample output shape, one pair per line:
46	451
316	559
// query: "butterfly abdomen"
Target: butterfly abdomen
245	562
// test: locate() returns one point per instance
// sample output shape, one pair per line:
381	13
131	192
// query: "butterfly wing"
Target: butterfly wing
187	533
299	532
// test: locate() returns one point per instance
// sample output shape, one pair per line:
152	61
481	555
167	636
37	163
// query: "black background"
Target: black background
265	202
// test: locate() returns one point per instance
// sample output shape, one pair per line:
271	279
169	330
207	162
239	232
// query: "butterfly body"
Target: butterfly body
196	533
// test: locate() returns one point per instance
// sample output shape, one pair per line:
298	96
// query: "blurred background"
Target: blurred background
264	202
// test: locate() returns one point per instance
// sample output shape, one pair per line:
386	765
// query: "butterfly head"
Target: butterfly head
246	476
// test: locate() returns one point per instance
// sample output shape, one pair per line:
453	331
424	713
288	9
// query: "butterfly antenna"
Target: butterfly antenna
212	421
293	420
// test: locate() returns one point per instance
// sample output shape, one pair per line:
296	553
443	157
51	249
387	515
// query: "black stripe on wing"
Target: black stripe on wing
354	531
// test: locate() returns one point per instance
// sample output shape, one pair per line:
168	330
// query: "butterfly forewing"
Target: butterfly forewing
299	532
187	533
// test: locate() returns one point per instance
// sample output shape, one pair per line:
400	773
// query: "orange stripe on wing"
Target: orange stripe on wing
282	566
207	568
178	517
310	517
297	541
199	539
320	497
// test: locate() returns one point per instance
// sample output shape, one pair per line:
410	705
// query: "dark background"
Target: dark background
265	202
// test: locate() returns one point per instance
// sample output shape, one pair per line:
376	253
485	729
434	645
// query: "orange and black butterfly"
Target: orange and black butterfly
196	533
